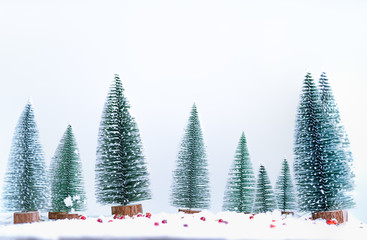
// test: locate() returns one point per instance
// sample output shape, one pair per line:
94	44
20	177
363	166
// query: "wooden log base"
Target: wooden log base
67	216
52	215
129	210
188	211
341	216
26	217
287	213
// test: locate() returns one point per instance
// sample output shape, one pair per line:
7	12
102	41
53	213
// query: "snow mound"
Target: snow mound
204	225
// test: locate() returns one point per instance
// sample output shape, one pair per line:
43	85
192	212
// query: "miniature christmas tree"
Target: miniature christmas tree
190	188
67	184
121	172
336	151
264	199
284	189
26	186
308	165
322	170
240	189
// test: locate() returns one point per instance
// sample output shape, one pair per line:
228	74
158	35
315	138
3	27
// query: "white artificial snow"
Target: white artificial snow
68	201
185	226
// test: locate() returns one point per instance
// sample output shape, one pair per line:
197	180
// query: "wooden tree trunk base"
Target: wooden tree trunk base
52	215
341	215
26	217
287	213
188	211
129	210
67	216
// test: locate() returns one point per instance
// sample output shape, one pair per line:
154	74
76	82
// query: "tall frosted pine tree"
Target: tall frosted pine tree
26	184
322	170
284	189
309	167
336	150
190	188
264	198
121	171
67	183
240	190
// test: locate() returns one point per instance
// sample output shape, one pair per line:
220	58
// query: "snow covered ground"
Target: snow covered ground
223	225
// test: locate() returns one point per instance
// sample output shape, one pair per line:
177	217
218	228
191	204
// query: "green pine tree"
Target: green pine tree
190	188
67	183
322	163
309	166
264	198
284	189
121	171
240	190
26	184
336	151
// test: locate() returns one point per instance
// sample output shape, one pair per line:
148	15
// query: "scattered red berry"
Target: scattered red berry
110	220
164	221
139	215
99	220
202	219
148	215
251	217
225	222
115	216
83	217
273	220
156	224
122	217
331	222
272	226
220	220
185	225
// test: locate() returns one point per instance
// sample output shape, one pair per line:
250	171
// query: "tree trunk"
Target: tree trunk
287	213
26	217
129	210
188	211
341	215
67	216
52	215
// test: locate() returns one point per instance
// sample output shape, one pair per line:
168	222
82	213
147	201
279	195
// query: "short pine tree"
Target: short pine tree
240	190
284	190
264	199
190	188
67	183
26	183
121	171
336	151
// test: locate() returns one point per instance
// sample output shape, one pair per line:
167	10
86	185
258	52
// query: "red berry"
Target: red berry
156	224
148	215
122	217
202	219
99	220
115	216
272	226
83	217
225	222
273	220
164	221
110	220
139	215
185	225
220	220
251	217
